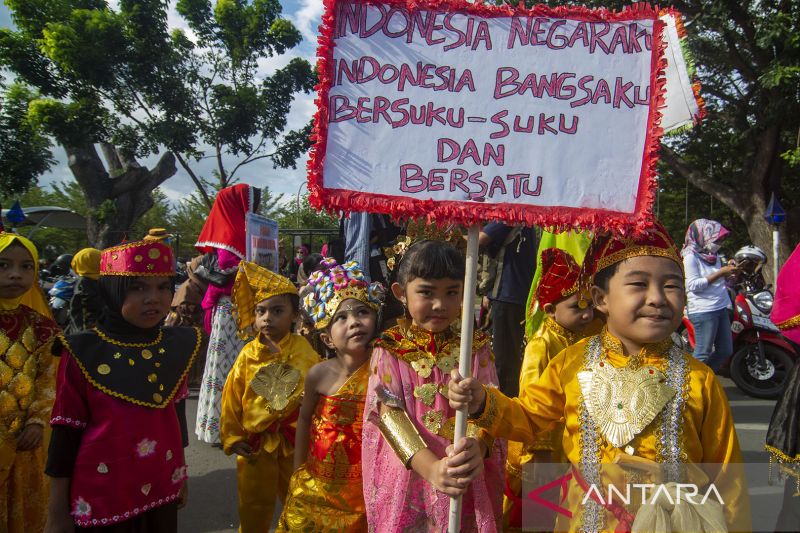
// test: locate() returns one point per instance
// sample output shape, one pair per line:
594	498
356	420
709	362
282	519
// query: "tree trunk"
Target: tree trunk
749	205
115	203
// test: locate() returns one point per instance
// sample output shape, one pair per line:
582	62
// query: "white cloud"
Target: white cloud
308	17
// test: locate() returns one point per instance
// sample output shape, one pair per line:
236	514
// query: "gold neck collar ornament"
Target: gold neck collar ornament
558	329
612	345
115	342
623	401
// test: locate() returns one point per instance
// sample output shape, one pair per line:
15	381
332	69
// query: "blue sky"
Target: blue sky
306	16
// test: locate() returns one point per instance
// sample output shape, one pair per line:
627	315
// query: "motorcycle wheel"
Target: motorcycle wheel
767	384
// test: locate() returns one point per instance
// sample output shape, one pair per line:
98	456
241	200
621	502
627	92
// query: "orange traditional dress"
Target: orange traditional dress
27	391
325	494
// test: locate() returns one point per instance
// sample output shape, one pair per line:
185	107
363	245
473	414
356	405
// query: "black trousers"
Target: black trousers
508	338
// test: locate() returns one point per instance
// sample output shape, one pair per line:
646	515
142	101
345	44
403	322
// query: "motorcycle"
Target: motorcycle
762	357
60	296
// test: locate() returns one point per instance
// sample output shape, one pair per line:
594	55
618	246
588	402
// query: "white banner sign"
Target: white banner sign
488	112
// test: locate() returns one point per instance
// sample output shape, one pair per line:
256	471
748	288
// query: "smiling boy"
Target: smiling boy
627	396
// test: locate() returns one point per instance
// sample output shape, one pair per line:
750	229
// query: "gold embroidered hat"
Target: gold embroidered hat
255	284
140	258
609	249
334	284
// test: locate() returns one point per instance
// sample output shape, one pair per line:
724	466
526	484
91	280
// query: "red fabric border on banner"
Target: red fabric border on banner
471	212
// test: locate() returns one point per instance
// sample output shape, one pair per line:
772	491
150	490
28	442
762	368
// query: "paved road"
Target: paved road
212	485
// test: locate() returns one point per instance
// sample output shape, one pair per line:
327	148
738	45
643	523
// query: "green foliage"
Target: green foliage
303	216
242	113
122	77
24	152
676	212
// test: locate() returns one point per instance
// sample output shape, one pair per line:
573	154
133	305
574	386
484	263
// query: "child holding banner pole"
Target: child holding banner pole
411	461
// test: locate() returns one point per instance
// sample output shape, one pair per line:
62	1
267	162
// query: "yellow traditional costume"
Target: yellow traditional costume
647	418
260	401
27	391
558	281
326	493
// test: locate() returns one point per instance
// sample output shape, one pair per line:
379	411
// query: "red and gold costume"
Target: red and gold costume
27	388
659	408
261	399
326	492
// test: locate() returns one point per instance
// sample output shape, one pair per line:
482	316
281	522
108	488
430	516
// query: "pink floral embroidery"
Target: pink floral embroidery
82	508
179	474
146	447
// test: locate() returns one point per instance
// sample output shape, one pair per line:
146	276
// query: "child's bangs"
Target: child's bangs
431	260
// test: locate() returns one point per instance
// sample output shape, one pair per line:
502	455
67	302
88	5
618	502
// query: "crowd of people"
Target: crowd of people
336	386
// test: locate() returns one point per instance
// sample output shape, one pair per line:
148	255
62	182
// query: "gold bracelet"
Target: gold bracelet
401	434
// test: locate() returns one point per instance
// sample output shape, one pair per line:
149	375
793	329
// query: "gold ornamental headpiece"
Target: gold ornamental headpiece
334	284
609	249
421	230
255	284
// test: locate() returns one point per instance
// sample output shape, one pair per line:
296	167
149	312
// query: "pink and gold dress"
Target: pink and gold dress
410	368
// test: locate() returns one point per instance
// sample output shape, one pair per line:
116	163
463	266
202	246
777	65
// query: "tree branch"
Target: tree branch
721	192
195	179
111	156
138	198
89	172
249	157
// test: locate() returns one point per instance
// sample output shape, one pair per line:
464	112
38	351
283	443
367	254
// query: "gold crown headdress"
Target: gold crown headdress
334	284
255	284
420	230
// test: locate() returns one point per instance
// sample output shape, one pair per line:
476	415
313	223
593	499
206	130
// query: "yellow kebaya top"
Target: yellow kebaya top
262	394
694	426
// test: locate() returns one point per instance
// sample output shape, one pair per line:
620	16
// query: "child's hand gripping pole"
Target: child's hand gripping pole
465	357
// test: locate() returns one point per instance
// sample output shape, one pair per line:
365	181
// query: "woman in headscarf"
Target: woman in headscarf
27	388
223	240
707	299
86	305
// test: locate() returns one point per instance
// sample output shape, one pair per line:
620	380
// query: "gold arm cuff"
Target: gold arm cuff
401	434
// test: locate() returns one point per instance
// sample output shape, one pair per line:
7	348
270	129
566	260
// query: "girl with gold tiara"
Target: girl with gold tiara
27	387
325	492
410	463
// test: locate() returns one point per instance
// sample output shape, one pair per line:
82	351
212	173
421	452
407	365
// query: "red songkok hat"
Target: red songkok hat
786	309
560	277
141	258
609	249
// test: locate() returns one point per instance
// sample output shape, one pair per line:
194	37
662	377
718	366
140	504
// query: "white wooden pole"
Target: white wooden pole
776	251
465	356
